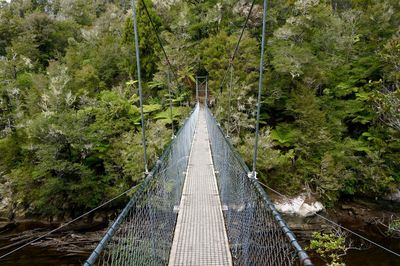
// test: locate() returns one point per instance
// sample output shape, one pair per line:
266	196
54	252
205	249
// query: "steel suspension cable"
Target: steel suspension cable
175	156
336	224
68	223
237	45
170	104
143	137
159	40
233	180
171	69
229	102
230	64
260	89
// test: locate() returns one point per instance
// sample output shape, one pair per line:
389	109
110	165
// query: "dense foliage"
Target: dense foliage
70	123
330	247
69	117
330	105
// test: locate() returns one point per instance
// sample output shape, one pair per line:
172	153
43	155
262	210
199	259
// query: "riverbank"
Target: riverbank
69	246
73	244
367	217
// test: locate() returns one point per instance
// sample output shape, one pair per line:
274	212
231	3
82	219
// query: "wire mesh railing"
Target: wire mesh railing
256	232
143	232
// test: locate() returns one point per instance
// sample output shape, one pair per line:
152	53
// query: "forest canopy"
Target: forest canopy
69	117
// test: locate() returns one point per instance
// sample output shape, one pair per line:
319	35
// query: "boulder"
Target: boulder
300	205
394	196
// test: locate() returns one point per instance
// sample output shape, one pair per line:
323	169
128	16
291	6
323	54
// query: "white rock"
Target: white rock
310	209
297	206
394	196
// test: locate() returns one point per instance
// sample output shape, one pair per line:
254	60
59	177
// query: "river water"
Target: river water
373	256
37	256
32	256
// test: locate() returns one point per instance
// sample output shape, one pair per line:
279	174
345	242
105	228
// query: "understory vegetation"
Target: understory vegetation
69	108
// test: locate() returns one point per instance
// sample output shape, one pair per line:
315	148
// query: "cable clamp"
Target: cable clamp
252	175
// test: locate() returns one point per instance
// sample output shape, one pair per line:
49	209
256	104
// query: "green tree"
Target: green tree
148	45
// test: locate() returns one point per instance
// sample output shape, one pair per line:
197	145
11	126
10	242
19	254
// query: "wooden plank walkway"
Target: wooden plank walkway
200	236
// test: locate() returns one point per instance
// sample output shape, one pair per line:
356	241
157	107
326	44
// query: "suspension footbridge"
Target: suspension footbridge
200	236
200	205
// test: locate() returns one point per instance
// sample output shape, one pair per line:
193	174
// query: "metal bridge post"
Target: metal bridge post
139	84
170	104
260	87
197	89
206	100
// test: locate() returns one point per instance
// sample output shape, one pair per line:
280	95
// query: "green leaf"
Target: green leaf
131	82
151	108
285	136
